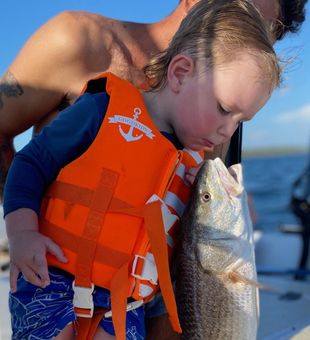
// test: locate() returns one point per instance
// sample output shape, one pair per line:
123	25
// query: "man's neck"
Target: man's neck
161	32
155	37
143	41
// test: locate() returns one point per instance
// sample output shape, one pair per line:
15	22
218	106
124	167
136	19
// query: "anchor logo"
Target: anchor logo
134	124
129	136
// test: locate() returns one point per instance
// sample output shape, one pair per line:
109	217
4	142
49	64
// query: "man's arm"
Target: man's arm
6	157
38	81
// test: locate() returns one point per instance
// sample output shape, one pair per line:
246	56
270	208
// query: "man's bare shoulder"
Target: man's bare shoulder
80	32
51	68
94	43
65	52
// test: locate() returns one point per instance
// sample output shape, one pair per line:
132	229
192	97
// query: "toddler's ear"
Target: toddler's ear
181	66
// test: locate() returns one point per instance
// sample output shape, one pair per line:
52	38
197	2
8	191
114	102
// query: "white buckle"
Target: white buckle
149	271
130	306
83	298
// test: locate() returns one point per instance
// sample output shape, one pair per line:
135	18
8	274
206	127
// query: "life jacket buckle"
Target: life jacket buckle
83	300
149	270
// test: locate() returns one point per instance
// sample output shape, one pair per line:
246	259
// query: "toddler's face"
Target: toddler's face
211	104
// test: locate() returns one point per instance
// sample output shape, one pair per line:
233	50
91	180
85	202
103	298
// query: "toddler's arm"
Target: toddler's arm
28	248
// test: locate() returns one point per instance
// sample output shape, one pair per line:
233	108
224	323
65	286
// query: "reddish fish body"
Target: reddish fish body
215	268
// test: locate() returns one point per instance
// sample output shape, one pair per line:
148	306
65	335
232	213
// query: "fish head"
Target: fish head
217	193
220	220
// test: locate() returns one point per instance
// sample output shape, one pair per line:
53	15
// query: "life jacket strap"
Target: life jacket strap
87	249
119	292
82	196
130	306
86	327
156	233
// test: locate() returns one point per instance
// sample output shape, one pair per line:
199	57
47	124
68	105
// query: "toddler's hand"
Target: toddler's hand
190	174
28	250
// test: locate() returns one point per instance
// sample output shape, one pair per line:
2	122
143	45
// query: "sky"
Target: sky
283	122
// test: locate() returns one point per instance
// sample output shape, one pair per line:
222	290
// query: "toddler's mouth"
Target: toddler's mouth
207	144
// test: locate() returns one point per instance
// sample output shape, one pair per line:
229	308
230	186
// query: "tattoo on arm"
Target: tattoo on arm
9	87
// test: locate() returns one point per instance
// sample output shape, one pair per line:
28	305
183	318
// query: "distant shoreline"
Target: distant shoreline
275	152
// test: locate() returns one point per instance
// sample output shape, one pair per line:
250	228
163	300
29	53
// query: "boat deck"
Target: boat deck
284	309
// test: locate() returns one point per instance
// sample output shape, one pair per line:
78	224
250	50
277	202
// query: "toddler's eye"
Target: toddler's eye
223	110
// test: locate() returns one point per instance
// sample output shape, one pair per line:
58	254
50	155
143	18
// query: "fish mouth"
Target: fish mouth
231	178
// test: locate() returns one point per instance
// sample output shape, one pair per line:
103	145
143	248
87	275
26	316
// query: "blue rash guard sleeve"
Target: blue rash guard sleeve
39	162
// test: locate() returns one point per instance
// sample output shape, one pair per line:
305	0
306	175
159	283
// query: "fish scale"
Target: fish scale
216	293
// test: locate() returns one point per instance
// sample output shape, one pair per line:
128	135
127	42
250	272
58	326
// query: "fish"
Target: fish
216	285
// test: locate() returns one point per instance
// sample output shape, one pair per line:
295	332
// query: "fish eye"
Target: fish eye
206	196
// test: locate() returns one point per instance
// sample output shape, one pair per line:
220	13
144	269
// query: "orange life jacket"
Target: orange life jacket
114	209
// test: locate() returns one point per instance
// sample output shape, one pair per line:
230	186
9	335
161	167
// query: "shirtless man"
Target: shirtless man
51	69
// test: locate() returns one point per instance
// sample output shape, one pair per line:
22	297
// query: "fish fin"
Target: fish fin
237	278
272	289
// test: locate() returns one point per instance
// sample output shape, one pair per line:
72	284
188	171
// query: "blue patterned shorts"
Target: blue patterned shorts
42	313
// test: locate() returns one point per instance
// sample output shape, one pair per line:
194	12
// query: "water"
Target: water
270	181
